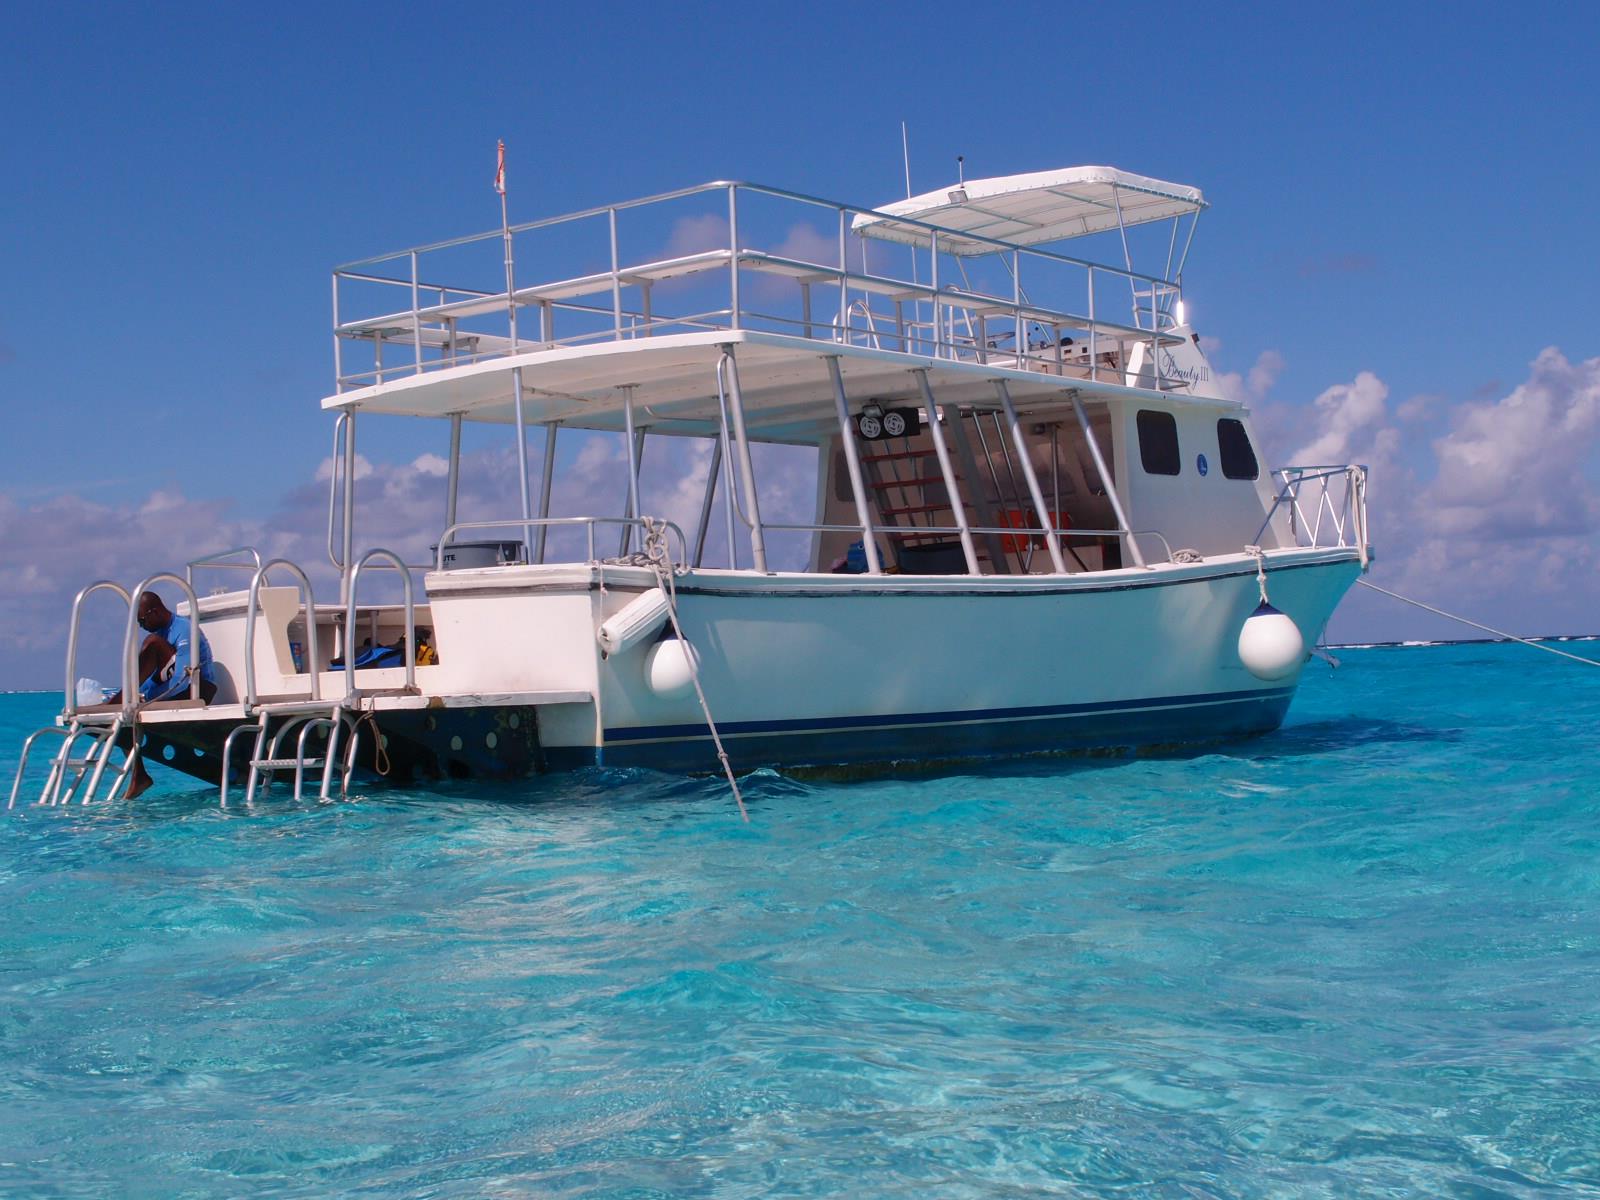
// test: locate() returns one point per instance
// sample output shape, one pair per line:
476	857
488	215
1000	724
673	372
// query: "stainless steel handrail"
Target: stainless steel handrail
216	562
313	660
352	694
1347	516
1011	531
130	652
732	259
71	706
334	468
642	523
723	185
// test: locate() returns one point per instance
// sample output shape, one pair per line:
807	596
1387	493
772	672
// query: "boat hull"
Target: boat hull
799	677
805	672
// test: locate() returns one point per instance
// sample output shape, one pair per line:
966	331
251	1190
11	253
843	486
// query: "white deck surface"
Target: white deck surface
784	381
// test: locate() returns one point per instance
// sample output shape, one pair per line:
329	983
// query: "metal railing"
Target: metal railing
219	562
1319	513
588	524
70	708
309	608
352	693
130	641
1015	533
946	306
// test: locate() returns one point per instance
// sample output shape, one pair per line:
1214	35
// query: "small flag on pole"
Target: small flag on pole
500	171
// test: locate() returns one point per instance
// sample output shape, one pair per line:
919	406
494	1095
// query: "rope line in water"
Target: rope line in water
1487	629
660	558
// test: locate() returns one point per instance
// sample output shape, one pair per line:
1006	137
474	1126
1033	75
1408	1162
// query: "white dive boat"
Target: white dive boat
1036	526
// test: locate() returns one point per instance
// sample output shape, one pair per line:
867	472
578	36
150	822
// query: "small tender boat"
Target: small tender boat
1033	522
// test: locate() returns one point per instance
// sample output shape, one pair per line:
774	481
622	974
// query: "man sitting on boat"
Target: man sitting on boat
166	646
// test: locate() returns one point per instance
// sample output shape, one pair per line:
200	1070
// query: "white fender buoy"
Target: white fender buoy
669	668
1270	643
635	621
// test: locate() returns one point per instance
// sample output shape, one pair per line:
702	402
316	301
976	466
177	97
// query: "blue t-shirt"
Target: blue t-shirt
169	681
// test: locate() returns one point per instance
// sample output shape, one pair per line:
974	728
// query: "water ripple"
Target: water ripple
1354	957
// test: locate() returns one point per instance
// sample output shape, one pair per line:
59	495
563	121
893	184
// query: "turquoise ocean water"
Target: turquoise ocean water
1358	957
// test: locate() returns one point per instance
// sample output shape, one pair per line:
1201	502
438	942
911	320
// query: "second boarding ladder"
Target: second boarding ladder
332	721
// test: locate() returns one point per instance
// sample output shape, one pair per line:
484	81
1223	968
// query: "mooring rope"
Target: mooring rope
1476	625
380	752
1261	570
660	560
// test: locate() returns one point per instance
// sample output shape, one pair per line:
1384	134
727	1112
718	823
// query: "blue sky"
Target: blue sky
1398	190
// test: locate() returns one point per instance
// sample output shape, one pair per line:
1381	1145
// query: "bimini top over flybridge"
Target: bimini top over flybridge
1031	210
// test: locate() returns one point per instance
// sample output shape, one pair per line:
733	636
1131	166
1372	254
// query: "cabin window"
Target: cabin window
1158	442
1238	458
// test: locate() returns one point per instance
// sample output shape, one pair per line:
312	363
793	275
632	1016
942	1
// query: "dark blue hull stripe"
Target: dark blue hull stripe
648	733
958	736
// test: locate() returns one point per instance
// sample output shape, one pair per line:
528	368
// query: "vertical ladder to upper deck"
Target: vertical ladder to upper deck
905	496
909	497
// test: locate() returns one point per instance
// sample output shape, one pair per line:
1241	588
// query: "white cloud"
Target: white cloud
807	243
697	234
1352	424
1517	467
1497	523
325	469
1418	408
1252	386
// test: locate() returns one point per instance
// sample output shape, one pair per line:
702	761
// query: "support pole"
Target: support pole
758	541
347	545
522	458
987	517
452	484
734	310
727	501
516	372
635	439
957	503
1105	479
858	487
545	479
705	504
1052	540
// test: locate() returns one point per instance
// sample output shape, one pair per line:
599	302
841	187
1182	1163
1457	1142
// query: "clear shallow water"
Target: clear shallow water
1361	956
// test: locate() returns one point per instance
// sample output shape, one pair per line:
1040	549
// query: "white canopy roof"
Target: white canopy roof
1025	210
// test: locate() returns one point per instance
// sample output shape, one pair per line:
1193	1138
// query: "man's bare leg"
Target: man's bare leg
141	781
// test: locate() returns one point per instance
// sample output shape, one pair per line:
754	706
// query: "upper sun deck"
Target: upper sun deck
958	278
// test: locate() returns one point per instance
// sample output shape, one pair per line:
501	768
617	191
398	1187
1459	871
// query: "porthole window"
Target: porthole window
1158	442
1233	446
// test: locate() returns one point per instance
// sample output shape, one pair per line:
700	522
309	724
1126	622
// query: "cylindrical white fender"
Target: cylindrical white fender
637	620
669	668
1270	644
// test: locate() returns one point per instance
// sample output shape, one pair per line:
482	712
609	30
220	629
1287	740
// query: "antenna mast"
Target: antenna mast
905	153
